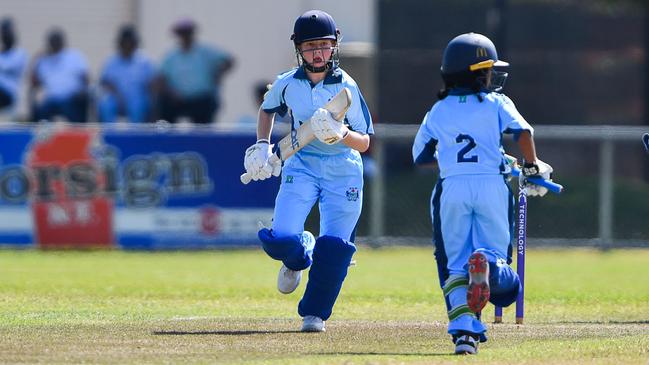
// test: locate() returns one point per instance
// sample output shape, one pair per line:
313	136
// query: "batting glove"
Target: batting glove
536	169
256	160
326	128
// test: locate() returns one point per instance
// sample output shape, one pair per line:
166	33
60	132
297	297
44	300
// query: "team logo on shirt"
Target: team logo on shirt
289	179
352	194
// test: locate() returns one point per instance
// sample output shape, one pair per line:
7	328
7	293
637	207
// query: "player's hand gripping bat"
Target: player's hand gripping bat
300	137
548	184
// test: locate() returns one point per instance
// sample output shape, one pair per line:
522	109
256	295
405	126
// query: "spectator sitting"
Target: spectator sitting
12	65
126	81
191	77
63	75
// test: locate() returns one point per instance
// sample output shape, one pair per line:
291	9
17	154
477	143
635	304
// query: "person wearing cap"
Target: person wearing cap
191	76
12	65
61	73
327	171
126	81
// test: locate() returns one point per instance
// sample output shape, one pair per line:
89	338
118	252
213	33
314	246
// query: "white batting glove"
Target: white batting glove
272	167
539	169
256	161
326	128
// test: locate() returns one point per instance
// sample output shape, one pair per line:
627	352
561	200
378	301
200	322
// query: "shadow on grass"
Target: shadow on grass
599	322
220	333
372	353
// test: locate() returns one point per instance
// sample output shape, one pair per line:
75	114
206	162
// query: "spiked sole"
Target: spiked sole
478	292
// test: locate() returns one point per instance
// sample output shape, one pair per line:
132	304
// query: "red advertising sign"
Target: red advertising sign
66	208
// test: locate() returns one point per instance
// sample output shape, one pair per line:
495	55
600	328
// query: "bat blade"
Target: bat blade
302	136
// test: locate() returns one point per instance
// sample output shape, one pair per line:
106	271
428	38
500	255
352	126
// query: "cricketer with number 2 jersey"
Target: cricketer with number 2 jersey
472	203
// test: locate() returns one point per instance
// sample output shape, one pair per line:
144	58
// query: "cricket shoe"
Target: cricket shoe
288	280
313	324
477	294
466	345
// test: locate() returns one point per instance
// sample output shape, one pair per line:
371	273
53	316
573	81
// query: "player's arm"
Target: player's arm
526	144
424	148
360	122
359	142
265	121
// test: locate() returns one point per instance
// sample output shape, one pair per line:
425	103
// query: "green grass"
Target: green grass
582	306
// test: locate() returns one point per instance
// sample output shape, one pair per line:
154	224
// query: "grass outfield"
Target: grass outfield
583	306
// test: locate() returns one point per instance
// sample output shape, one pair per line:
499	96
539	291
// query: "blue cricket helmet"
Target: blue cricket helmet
468	53
314	24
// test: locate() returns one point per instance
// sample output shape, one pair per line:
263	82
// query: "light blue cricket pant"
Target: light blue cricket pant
472	212
475	212
335	180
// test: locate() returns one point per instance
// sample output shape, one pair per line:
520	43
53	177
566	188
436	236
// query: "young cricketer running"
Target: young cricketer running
328	170
472	203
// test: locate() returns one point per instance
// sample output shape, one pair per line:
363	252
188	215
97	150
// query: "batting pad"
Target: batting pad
294	251
331	258
503	280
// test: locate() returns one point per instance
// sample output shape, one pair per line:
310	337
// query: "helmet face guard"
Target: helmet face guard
330	64
497	82
315	25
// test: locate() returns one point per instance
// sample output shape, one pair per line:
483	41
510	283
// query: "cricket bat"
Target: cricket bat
300	137
548	184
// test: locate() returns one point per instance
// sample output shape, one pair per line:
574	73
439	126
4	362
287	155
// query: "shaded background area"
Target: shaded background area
572	62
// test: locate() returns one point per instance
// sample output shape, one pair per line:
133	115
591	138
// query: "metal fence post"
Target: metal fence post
377	207
606	193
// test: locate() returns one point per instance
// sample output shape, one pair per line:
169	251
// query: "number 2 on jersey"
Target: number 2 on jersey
470	144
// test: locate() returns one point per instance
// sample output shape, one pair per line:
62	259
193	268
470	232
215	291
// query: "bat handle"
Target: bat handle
245	178
550	185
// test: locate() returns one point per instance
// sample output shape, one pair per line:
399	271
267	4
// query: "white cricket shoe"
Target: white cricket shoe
466	345
313	324
288	280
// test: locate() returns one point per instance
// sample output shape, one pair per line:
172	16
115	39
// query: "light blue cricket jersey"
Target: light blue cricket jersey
467	134
293	90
